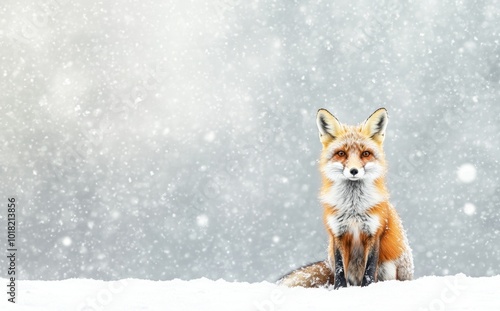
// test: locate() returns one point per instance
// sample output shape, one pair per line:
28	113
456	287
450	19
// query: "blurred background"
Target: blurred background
177	139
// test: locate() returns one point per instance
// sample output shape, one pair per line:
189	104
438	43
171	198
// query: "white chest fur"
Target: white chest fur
352	200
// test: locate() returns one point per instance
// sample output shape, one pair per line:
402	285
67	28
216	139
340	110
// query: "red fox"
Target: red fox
367	242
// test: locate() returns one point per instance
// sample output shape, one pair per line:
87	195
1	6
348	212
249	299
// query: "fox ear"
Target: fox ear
329	127
376	124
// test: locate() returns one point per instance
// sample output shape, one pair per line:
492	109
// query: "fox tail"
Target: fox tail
317	274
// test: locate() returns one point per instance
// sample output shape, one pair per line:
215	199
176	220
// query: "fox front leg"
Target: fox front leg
339	278
371	266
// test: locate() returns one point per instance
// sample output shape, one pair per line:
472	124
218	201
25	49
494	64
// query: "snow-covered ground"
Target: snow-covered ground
428	293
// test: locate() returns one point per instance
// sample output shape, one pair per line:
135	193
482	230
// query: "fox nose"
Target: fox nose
354	171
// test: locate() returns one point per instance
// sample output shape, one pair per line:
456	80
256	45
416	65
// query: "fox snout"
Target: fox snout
354	173
353	167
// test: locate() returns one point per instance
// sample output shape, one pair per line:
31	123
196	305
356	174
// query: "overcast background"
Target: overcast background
177	139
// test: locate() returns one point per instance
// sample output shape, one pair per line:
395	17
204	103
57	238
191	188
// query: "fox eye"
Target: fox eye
366	154
341	153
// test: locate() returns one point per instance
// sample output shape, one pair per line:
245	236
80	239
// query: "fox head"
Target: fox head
352	152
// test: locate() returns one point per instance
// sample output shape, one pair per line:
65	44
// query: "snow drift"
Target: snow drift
428	293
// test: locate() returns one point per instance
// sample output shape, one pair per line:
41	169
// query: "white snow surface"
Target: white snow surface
457	292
